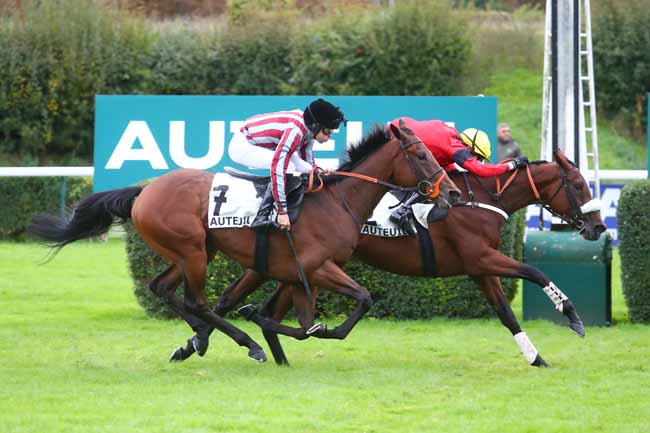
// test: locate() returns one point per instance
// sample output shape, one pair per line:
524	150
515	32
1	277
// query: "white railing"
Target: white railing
61	172
617	174
46	171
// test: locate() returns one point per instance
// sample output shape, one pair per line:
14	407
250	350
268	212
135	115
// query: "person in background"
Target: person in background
506	147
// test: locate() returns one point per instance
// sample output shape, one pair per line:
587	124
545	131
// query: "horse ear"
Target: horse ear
403	127
396	132
559	157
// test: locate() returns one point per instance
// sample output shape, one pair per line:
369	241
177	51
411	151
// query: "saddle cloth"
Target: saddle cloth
379	224
234	202
235	199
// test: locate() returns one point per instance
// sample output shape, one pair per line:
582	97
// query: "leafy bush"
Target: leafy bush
415	48
633	229
22	197
395	296
621	38
54	61
65	52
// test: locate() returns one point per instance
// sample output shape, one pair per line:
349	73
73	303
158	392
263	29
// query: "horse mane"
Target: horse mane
358	152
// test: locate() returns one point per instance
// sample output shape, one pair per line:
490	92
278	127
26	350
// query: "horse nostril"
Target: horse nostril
454	196
600	229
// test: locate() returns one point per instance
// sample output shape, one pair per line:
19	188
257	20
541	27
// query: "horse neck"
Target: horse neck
361	195
520	192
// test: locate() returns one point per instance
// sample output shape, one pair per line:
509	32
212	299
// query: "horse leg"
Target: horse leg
277	307
165	285
194	267
496	263
332	277
239	289
491	288
269	325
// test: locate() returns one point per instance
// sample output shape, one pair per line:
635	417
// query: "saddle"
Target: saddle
294	188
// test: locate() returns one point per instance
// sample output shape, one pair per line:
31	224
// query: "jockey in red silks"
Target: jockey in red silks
283	141
451	149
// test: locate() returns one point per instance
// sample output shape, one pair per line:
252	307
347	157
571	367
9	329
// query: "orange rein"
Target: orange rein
512	177
432	192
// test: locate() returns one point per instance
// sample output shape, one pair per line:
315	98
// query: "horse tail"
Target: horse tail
91	217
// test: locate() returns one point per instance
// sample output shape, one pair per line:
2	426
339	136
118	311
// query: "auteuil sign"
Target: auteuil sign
139	137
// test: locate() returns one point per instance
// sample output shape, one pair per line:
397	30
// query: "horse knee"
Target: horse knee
194	307
366	302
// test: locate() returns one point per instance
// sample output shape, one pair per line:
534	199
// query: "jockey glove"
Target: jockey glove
519	162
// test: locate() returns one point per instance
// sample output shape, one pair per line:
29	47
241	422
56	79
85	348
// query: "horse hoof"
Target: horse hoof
180	355
247	311
578	328
200	346
539	362
257	355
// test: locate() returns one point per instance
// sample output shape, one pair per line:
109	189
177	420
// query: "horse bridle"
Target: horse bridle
427	187
576	218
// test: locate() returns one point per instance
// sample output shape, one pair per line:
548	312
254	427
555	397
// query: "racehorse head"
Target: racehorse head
567	195
422	168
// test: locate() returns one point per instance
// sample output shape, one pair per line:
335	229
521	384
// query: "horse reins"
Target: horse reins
576	220
426	187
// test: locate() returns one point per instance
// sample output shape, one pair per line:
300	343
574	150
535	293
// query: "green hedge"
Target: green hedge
22	197
620	40
65	52
395	296
634	246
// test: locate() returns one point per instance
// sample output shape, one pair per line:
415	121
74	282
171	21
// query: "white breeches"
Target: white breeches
256	157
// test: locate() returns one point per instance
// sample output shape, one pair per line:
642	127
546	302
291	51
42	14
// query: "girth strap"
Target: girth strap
427	252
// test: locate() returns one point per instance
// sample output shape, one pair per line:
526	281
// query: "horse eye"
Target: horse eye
578	186
422	156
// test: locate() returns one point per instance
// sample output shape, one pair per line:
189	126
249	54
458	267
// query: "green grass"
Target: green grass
77	354
519	93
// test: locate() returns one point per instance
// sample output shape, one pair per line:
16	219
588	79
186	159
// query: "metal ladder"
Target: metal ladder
588	122
588	129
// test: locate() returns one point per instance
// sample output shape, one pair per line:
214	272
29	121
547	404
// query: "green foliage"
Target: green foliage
620	39
394	296
633	230
520	98
415	48
54	62
23	197
64	52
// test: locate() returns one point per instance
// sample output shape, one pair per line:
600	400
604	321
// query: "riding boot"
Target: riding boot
403	215
263	217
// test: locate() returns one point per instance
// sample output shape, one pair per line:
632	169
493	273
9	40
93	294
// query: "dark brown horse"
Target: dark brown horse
465	243
171	215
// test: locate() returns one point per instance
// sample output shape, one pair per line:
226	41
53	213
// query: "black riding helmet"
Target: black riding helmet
321	114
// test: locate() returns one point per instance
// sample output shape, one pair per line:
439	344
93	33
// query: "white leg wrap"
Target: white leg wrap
556	295
526	347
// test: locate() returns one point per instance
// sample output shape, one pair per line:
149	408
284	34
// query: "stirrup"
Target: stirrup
263	219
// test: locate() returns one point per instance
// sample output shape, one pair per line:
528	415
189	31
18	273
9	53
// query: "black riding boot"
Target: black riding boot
263	217
403	215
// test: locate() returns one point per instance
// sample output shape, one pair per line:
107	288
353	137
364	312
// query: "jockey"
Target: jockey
281	142
451	149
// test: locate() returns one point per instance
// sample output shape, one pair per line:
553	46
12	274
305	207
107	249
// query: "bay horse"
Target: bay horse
171	215
465	243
